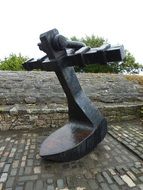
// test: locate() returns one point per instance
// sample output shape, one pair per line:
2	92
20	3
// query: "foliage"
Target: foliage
129	65
92	41
13	63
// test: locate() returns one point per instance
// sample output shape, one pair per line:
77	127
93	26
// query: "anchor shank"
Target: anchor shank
80	106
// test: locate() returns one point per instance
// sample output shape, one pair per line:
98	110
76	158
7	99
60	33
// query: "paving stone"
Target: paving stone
1	186
118	180
93	156
125	158
2	164
92	184
13	172
21	171
107	177
29	186
104	186
37	163
70	182
13	150
25	153
31	155
5	153
39	185
20	150
128	180
50	181
3	159
50	187
17	156
6	168
135	188
120	170
29	162
15	164
10	160
112	171
114	187
24	158
10	182
11	155
99	178
133	158
21	183
60	183
37	170
107	147
28	178
20	188
131	175
141	178
138	164
38	156
2	148
81	181
141	169
3	177
87	174
140	186
23	163
47	175
135	170
28	170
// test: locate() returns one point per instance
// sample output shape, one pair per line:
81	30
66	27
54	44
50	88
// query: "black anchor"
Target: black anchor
86	127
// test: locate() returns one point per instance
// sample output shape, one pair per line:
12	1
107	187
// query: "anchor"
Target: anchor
86	127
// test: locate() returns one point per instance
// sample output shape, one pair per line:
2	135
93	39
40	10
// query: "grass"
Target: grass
135	78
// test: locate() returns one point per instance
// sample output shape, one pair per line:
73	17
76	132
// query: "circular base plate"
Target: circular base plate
72	141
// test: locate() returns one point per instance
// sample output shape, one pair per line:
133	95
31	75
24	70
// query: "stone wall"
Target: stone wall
44	88
36	99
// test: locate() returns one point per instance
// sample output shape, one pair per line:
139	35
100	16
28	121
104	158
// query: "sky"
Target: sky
22	21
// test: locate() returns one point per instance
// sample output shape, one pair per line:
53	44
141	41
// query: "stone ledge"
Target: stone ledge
21	116
58	108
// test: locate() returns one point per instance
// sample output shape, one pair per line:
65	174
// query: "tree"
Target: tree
129	65
92	41
13	63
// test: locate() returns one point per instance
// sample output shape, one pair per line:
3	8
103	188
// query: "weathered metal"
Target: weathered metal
86	127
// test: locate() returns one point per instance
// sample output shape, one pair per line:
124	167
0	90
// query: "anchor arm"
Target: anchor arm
95	56
92	56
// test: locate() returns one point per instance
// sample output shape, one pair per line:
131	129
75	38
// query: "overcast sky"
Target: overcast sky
22	21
